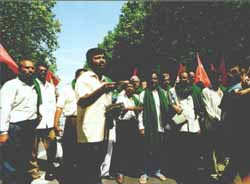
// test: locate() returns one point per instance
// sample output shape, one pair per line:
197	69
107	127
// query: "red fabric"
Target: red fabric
52	78
201	74
181	69
246	180
135	71
212	68
223	71
5	58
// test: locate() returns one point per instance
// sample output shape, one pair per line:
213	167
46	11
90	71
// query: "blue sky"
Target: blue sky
83	25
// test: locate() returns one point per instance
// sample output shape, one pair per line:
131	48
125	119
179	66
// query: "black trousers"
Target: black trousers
153	156
184	151
91	156
126	150
18	152
69	145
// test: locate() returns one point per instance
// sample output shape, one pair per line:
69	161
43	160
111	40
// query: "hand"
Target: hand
4	138
108	86
58	130
142	132
177	108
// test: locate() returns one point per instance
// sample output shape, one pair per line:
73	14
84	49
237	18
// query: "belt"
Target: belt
72	116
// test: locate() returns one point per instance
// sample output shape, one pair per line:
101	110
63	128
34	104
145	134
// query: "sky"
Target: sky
84	24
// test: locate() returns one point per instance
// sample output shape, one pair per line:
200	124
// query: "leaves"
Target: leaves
166	33
28	30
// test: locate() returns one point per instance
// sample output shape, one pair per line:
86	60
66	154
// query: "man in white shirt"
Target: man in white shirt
126	151
93	95
151	125
18	119
67	104
47	108
185	137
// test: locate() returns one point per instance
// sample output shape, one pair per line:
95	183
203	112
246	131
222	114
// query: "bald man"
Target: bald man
18	121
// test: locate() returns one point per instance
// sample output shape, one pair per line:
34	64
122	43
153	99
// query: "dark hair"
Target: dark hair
92	52
148	76
183	89
42	63
78	72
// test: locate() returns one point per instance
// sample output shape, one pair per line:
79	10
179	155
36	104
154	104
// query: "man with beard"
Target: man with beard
184	138
45	131
93	95
18	120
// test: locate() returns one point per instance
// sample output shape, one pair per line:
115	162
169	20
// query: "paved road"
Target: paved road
128	180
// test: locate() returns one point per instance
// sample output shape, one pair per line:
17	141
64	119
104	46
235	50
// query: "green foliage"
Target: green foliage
126	39
167	33
28	30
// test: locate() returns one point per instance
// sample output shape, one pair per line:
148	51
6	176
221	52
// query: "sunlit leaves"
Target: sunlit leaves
28	29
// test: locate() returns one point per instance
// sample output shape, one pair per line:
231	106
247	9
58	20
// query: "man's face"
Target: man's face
99	62
192	76
130	89
135	81
184	77
27	69
245	80
166	78
154	80
42	72
234	74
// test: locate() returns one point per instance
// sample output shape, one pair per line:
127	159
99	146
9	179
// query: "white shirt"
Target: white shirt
128	102
48	107
212	100
158	110
18	102
187	106
91	119
67	101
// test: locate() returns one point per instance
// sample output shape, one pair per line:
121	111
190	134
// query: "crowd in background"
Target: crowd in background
164	126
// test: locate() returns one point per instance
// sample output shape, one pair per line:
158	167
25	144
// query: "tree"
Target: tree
123	44
169	33
28	30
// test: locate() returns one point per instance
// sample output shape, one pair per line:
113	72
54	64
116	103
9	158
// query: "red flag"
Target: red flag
212	68
135	71
5	58
201	74
181	69
52	78
223	71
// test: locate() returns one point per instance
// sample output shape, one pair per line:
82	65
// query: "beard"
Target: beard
26	78
183	89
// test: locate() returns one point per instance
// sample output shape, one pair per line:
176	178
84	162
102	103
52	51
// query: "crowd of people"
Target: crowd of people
160	127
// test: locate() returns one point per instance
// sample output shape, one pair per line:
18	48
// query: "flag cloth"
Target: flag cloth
181	69
135	71
223	71
212	68
5	58
52	78
201	74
